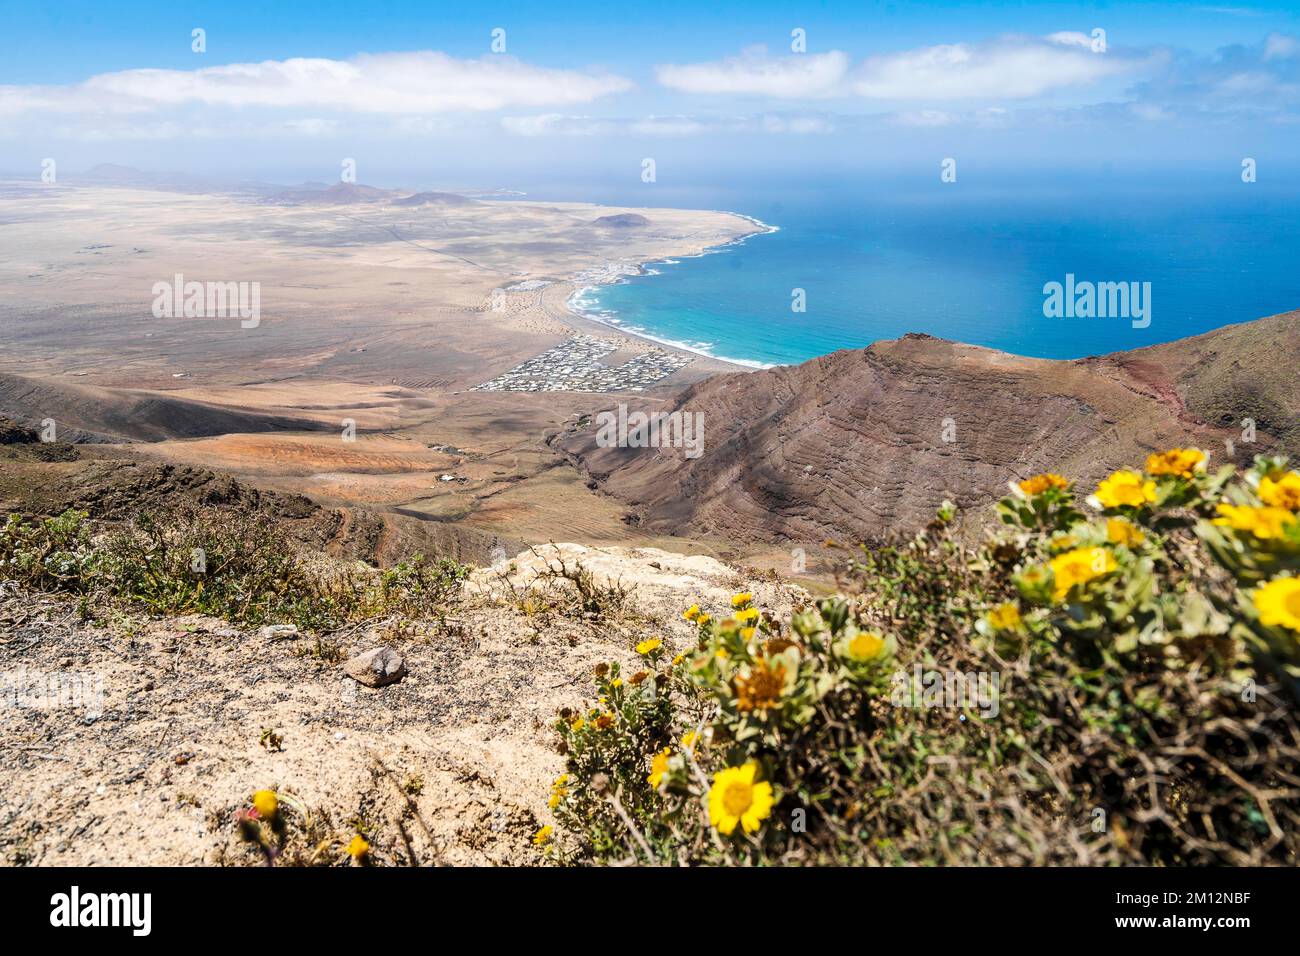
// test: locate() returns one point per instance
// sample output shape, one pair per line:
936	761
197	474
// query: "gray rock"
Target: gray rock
376	667
279	632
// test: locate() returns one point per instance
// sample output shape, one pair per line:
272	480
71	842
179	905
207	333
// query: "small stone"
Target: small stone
279	632
376	667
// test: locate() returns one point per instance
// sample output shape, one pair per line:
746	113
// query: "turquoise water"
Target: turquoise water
966	264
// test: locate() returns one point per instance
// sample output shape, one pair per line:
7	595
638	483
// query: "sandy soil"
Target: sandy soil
459	754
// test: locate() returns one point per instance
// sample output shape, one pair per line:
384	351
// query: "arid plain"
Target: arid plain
382	309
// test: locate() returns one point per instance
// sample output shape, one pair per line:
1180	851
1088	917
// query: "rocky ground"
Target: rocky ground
450	764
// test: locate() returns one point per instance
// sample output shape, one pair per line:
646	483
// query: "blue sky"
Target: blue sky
414	92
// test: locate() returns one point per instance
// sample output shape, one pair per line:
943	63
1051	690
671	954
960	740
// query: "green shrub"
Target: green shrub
1071	691
52	555
225	563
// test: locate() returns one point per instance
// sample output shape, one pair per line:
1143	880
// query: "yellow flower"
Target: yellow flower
616	682
735	798
649	646
1119	531
1004	617
1283	492
1063	542
762	687
543	836
678	659
703	619
1033	577
688	740
1040	483
692	612
866	646
1278	603
1126	489
266	804
659	767
577	724
741	599
559	790
358	848
1078	567
1181	462
1264	523
748	614
747	632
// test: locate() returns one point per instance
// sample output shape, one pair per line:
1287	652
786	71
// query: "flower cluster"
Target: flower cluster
1122	573
758	685
778	737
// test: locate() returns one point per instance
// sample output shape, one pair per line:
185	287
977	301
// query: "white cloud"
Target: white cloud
1150	112
925	118
1010	68
1070	38
799	75
387	83
557	124
1280	46
798	125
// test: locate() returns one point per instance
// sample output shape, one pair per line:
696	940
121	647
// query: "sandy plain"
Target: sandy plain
374	315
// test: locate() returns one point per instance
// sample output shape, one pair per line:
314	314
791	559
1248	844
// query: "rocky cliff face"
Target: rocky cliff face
858	443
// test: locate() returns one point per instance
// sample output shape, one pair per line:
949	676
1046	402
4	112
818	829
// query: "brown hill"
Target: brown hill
120	489
435	199
858	443
623	220
88	413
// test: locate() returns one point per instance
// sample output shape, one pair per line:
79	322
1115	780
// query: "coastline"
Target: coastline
590	282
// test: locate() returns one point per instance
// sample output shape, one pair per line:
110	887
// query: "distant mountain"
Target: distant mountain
435	199
622	220
304	194
856	443
339	194
111	174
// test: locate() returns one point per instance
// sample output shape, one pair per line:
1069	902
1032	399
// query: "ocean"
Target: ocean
965	262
